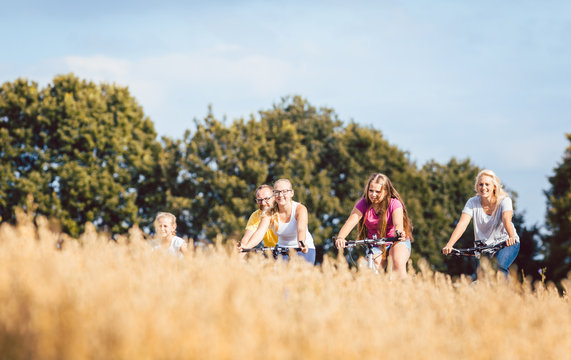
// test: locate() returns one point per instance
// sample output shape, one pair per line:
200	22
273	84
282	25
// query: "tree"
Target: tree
558	222
82	150
450	186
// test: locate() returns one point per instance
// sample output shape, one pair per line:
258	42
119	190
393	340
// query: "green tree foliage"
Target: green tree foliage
558	242
82	150
449	187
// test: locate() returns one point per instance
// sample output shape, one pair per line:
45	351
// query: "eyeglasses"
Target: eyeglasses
261	200
281	192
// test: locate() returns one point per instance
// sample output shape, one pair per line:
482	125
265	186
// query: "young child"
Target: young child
165	228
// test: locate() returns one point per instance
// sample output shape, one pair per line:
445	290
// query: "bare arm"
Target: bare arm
301	218
457	233
183	248
352	220
247	235
507	221
398	221
258	235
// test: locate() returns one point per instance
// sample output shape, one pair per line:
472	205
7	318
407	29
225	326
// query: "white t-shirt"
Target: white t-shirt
287	232
174	247
489	228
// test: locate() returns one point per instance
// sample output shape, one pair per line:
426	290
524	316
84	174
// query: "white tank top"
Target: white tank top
287	232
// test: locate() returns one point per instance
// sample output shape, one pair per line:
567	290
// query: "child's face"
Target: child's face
166	227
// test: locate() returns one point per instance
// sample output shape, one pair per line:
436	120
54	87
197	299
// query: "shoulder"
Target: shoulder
506	204
256	214
362	205
394	203
299	208
474	202
178	241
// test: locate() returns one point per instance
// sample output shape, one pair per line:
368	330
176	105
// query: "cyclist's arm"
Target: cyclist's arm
351	222
398	222
457	233
301	218
183	248
247	235
509	226
258	235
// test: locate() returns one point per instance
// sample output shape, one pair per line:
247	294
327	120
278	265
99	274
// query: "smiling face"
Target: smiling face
165	226
265	198
486	187
283	192
376	193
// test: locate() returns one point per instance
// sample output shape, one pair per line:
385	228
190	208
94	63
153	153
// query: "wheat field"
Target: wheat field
98	299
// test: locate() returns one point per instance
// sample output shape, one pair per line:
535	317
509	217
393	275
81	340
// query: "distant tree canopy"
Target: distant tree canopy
82	150
87	153
558	242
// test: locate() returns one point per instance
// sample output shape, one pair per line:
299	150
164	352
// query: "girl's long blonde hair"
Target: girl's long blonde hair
390	192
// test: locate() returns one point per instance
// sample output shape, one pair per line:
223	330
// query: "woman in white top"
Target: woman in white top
288	220
492	213
165	228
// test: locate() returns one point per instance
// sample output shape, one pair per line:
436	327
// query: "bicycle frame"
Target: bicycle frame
370	244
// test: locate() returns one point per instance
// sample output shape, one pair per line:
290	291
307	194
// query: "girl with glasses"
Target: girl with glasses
288	219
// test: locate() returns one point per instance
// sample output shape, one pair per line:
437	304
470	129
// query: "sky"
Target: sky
484	80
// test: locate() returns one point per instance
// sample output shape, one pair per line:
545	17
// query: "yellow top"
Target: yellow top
270	237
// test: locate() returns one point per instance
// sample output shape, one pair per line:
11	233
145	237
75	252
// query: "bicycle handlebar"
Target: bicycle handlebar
372	242
275	250
478	249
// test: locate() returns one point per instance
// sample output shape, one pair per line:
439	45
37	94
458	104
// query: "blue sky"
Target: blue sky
485	80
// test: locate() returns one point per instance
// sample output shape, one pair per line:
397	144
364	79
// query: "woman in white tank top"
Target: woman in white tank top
289	222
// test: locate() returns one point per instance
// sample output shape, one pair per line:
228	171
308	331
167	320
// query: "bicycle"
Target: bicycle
479	248
274	250
476	251
370	244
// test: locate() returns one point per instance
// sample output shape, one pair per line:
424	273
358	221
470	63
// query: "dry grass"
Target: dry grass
95	299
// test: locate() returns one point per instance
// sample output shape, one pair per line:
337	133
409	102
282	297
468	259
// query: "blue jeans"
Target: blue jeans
309	257
505	257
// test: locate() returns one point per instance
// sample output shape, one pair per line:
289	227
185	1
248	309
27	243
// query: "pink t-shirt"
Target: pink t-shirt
372	218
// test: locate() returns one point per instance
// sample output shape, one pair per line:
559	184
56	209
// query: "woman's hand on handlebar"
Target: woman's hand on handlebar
447	249
402	236
340	243
303	247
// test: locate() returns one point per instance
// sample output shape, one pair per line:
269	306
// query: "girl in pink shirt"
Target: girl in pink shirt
380	212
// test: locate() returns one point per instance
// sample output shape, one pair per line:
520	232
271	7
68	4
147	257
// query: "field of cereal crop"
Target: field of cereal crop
95	299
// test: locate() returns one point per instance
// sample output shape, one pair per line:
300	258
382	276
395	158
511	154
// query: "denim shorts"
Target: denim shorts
378	251
309	257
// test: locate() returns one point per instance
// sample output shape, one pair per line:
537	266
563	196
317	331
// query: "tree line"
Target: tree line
87	153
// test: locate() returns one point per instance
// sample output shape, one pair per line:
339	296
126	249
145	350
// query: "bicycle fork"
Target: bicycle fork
371	260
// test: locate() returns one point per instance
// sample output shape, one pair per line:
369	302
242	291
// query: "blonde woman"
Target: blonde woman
288	220
381	212
492	212
165	228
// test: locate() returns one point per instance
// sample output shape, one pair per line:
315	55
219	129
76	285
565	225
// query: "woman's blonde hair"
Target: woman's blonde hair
168	216
499	193
390	192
